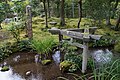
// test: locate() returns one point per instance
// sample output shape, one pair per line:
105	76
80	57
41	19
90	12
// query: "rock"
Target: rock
28	73
53	23
45	62
56	57
65	65
37	58
102	56
43	15
5	68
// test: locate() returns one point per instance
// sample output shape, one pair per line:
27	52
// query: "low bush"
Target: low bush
117	47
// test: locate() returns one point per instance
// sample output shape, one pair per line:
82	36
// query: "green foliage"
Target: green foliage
5	51
75	58
8	48
3	11
110	71
37	11
103	42
45	62
117	47
43	46
15	29
23	45
65	65
19	6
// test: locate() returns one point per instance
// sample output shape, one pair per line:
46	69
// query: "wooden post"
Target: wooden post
85	49
60	40
85	56
29	22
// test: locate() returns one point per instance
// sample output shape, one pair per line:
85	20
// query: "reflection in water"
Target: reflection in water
25	63
56	57
16	58
102	56
37	56
8	75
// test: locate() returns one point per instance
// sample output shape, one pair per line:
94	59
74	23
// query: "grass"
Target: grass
107	72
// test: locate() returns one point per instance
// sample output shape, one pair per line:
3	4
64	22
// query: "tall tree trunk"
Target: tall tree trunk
48	1
58	10
62	13
80	12
0	26
117	23
115	8
108	14
73	11
46	22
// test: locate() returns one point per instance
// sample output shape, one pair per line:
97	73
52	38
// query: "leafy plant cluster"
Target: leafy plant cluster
9	48
5	51
15	29
104	41
43	46
75	59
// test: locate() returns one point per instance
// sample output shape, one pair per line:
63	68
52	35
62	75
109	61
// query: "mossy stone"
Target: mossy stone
5	68
45	62
65	65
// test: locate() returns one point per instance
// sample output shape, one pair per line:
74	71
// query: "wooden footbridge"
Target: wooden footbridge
85	35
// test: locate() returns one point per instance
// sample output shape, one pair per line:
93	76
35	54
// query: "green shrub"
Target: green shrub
104	41
117	47
75	59
24	45
5	51
15	29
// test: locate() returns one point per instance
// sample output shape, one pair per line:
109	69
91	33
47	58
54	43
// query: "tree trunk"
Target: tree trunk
80	12
46	22
0	26
62	13
48	1
115	8
58	10
117	23
73	11
108	14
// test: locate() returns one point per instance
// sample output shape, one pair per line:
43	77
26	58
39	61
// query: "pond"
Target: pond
22	63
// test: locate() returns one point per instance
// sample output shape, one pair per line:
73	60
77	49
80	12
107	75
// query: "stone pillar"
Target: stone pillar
29	22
